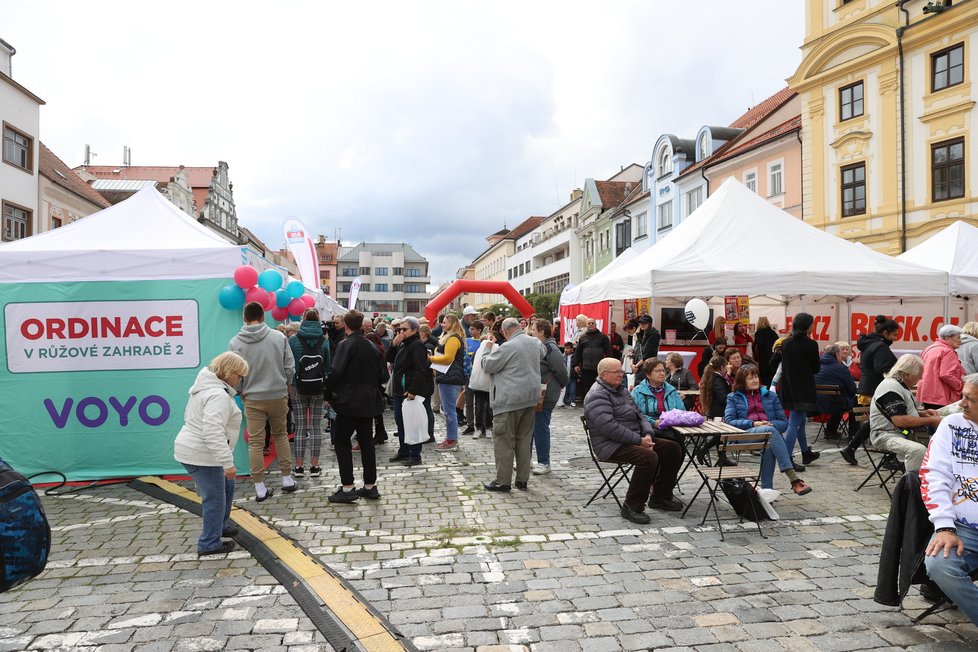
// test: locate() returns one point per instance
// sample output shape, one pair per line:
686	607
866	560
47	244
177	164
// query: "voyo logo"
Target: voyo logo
94	412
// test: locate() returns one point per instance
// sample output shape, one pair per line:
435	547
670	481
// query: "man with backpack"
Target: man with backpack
311	350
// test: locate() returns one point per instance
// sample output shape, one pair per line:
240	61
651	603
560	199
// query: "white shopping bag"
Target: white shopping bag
415	419
479	380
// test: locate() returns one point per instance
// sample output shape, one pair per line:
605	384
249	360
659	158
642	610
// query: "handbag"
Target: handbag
682	418
745	501
415	419
479	380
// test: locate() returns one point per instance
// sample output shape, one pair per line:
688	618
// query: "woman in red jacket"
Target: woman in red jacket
943	374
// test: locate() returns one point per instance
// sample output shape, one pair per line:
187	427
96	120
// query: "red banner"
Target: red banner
568	317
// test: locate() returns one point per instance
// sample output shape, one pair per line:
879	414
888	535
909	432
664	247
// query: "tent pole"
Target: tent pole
947	309
848	324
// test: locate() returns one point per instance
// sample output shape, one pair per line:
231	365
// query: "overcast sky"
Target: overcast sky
431	123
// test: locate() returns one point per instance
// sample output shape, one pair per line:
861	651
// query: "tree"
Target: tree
502	310
544	305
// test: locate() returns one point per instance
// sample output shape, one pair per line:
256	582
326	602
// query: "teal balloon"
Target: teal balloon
295	317
270	280
231	297
282	298
296	289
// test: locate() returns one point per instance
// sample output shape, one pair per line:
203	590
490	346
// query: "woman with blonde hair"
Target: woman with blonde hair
205	447
450	352
719	331
968	351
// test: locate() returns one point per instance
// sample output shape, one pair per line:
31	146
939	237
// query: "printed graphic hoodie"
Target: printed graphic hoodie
949	474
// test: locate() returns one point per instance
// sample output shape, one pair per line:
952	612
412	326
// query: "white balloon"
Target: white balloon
698	313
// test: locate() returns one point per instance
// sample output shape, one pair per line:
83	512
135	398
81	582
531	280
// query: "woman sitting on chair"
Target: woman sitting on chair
713	402
754	408
654	395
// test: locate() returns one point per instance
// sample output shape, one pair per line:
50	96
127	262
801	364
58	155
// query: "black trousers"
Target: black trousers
345	427
588	376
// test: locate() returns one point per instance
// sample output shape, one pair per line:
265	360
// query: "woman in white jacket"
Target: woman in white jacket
206	443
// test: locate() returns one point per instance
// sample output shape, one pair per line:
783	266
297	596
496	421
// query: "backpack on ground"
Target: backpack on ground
310	377
25	536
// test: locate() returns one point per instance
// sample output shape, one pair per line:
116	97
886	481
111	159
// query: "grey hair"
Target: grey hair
971	379
412	323
510	323
907	364
833	349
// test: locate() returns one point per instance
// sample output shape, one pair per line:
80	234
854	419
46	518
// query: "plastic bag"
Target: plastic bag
479	380
682	418
415	419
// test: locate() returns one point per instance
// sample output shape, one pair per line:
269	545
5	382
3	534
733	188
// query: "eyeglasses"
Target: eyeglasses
401	330
619	372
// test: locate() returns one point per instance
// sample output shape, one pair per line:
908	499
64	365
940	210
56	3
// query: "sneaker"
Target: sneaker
447	446
573	404
635	517
398	458
370	493
489	433
414	461
268	494
315	471
343	496
469	430
494	486
849	455
810	456
522	486
230	532
799	468
670	504
289	488
479	435
225	547
298	471
541	469
800	488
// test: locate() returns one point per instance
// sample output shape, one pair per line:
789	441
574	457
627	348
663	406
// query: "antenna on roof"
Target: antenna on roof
126	155
89	154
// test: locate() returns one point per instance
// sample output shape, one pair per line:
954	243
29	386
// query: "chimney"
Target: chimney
576	194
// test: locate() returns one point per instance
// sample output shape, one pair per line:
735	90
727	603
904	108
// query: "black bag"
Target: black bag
744	499
311	375
25	536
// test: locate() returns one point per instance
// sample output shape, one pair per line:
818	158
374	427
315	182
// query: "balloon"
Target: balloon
296	289
697	313
280	314
296	307
270	280
282	299
231	297
294	317
257	295
245	277
309	300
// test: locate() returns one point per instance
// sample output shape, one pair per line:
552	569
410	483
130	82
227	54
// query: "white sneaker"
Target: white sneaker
541	469
489	433
573	404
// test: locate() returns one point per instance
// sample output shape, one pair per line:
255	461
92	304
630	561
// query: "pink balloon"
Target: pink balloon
270	300
257	295
296	307
308	300
245	277
280	314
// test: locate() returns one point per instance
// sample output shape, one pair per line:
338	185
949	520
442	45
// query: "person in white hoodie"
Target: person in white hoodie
205	447
949	488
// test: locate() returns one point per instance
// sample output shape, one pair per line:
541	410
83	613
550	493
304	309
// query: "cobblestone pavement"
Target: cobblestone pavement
455	567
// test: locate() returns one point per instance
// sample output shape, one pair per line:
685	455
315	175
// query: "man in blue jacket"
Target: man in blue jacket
833	371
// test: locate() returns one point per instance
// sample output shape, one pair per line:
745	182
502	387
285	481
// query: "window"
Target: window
398	271
364	271
398	287
18	148
326	274
693	200
380	271
365	287
413	288
509	274
750	180
774	180
947	169
380	287
413	272
703	147
56	222
641	225
665	215
854	190
623	236
947	68
851	101
349	271
16	222
345	287
664	165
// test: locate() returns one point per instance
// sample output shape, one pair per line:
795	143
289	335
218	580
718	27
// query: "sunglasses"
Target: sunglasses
401	330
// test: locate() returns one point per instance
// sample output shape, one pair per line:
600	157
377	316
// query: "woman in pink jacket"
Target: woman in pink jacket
943	373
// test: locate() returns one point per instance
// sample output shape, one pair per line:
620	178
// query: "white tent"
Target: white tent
954	250
572	293
143	238
738	243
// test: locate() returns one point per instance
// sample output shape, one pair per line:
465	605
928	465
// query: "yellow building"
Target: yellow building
888	118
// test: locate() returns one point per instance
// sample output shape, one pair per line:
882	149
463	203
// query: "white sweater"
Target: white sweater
948	475
211	424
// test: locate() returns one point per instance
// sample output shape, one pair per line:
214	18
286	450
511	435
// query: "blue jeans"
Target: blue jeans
216	493
796	431
541	434
952	573
449	395
570	391
776	450
411	451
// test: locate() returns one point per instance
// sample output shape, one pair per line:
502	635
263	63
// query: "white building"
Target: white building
556	250
394	278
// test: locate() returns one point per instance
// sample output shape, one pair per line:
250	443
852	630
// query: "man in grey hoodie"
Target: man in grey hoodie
265	392
515	369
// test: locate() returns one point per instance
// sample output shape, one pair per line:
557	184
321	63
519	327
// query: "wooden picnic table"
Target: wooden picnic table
695	434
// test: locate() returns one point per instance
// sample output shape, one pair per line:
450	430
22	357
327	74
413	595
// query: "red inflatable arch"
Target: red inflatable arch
485	287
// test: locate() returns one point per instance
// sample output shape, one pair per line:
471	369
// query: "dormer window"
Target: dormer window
703	147
664	162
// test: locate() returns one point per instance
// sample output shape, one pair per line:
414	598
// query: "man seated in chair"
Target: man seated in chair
893	414
949	486
834	372
619	433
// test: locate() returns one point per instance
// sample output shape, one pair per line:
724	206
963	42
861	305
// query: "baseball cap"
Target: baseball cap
470	310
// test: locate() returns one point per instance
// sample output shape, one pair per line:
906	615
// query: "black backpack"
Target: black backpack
25	536
310	376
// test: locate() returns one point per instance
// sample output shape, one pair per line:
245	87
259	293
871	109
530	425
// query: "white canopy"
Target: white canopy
737	243
953	250
143	237
571	293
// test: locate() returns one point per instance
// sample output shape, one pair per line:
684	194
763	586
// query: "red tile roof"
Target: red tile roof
763	110
772	134
198	177
613	193
54	169
524	227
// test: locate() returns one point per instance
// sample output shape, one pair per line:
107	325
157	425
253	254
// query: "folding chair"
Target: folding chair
611	479
712	476
831	391
943	603
883	462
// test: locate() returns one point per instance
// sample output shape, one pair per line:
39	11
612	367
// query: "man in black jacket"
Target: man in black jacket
412	380
353	390
592	348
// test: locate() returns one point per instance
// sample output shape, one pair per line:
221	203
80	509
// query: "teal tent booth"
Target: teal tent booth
106	322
